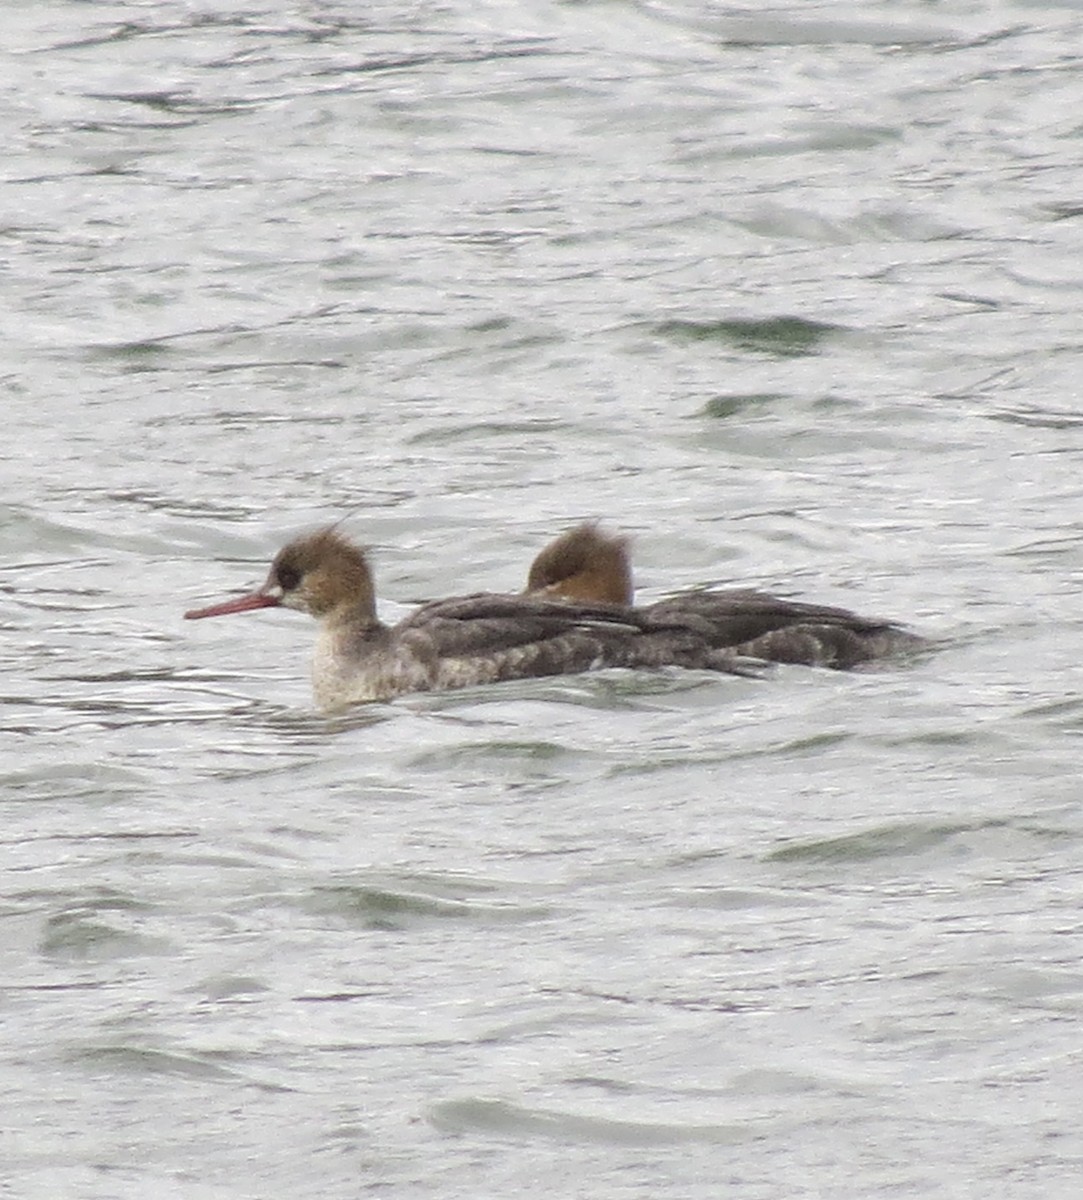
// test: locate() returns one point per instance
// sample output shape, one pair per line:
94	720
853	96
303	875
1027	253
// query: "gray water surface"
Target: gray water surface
793	297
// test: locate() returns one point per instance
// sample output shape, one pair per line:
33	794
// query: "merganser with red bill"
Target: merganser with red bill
589	564
459	642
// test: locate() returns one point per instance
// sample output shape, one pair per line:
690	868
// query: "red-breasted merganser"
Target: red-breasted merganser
459	642
590	564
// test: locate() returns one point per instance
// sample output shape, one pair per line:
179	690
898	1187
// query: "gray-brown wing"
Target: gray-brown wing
781	630
740	615
506	637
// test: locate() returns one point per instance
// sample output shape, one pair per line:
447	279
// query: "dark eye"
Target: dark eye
288	577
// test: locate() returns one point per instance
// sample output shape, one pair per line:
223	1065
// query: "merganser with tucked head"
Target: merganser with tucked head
458	642
585	564
589	564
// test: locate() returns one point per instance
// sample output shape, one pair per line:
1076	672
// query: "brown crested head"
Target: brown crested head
587	565
322	572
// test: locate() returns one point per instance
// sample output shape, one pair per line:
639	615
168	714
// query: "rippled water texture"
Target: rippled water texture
790	295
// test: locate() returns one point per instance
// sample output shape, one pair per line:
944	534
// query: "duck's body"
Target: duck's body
460	642
589	563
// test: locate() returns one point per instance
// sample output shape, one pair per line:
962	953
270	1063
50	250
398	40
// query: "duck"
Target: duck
462	641
591	564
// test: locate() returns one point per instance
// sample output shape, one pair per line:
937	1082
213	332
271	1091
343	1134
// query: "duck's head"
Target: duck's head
319	573
586	565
